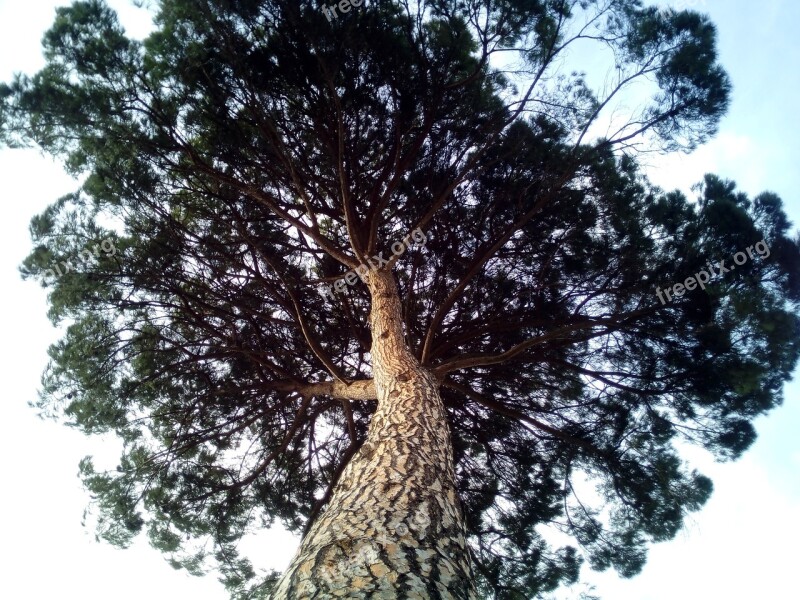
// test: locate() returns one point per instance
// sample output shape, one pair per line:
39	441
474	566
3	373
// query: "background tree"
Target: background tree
249	152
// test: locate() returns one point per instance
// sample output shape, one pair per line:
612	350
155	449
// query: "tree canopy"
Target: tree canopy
249	152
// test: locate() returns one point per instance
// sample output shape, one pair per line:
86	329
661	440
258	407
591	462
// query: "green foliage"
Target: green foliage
210	147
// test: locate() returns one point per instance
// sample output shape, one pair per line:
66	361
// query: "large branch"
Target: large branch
481	360
515	414
362	389
481	258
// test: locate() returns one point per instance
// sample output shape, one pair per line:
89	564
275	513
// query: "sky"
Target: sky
738	547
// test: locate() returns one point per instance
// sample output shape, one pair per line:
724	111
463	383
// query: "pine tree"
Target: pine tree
371	278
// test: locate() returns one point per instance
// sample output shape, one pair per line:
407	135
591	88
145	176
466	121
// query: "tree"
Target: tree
366	276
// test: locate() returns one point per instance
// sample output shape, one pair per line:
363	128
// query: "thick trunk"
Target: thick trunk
394	526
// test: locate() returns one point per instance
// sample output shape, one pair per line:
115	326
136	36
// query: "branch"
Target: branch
481	258
480	360
362	389
511	412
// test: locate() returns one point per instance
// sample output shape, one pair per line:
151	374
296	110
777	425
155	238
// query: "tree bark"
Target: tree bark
394	527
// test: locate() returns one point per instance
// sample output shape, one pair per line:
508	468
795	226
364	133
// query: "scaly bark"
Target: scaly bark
394	526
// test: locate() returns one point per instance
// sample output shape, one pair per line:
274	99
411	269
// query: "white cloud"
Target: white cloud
736	548
730	155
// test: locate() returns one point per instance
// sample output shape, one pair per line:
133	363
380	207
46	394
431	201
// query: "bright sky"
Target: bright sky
736	548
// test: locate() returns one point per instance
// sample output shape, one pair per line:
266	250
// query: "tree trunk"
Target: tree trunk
394	526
